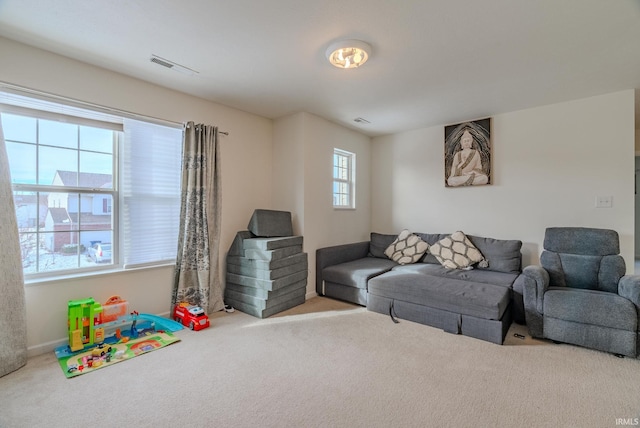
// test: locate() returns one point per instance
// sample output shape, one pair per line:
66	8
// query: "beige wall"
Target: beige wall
312	139
288	172
246	172
549	164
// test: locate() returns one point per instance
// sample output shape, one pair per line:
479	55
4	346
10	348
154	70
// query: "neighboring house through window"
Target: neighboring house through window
79	178
343	179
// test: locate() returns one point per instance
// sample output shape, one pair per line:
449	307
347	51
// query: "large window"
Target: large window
92	190
343	179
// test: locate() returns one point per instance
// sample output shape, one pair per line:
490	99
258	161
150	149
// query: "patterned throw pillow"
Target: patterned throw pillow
457	252
407	248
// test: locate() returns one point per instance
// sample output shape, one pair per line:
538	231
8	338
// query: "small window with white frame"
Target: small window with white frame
344	165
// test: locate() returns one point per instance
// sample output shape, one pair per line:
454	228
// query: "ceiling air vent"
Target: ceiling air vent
172	65
361	120
161	62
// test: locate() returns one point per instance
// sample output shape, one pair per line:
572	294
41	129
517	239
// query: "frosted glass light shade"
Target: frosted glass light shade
348	53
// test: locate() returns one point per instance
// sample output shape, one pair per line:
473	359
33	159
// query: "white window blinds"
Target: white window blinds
150	192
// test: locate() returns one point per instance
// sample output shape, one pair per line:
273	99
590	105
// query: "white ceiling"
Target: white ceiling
434	62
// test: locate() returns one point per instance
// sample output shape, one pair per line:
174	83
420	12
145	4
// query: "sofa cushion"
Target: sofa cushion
502	255
456	251
472	298
357	272
583	271
379	243
484	276
431	238
590	307
407	248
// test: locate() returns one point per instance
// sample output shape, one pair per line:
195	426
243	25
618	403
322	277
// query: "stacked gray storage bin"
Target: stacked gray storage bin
266	268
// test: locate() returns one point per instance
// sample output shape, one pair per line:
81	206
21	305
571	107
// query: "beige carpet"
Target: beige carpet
329	364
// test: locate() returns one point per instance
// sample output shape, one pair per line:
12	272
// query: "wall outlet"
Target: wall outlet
604	201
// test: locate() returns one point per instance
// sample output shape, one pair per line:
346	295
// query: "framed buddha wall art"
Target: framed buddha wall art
467	153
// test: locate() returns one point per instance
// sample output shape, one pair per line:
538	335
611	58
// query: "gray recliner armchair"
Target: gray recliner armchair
581	295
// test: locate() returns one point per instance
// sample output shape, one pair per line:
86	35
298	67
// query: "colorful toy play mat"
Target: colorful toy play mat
130	336
105	355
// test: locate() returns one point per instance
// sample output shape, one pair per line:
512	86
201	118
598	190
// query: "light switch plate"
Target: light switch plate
604	201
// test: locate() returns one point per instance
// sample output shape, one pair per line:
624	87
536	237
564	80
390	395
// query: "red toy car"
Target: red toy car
191	316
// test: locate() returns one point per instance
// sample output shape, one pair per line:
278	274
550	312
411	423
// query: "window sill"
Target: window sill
32	282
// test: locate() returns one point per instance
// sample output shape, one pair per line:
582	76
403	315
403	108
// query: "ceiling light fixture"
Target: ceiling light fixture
348	53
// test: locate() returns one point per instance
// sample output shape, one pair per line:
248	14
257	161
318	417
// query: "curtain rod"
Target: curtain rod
78	103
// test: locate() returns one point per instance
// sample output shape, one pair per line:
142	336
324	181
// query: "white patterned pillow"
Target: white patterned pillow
457	252
407	248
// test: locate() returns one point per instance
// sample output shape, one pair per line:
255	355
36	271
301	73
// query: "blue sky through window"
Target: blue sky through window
37	148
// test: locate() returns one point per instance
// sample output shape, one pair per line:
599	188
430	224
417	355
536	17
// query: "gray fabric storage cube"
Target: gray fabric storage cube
246	270
296	299
269	223
265	294
266	284
274	298
266	275
268	264
272	255
237	246
271	243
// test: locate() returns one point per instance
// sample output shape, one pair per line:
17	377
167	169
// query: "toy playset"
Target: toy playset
191	316
100	335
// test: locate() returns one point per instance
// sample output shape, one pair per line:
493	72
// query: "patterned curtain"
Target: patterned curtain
197	275
13	316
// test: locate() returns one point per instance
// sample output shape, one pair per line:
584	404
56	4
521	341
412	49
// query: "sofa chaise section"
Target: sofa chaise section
346	266
457	306
348	281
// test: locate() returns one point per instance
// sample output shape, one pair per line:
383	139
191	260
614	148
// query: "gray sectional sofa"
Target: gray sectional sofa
480	302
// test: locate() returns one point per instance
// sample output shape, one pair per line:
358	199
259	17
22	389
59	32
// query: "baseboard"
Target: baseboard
43	348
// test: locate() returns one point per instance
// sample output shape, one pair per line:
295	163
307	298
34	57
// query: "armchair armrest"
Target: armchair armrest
629	288
534	289
335	255
534	285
